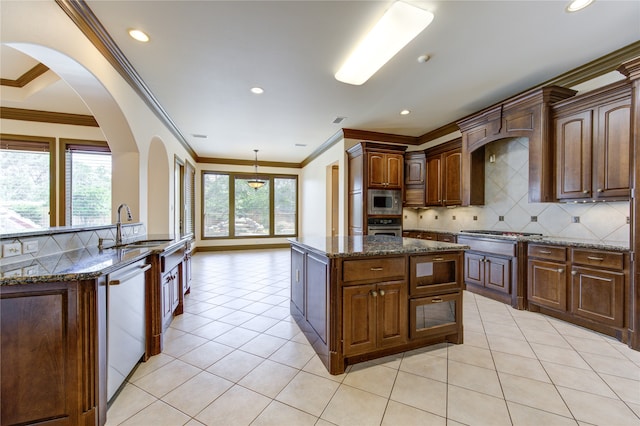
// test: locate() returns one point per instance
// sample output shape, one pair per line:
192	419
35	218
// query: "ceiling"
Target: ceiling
204	56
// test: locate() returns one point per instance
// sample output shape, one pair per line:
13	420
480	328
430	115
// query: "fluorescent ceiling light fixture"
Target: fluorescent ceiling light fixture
257	90
139	35
400	24
577	5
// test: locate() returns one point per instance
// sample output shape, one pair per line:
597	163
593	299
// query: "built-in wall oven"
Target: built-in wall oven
386	202
384	226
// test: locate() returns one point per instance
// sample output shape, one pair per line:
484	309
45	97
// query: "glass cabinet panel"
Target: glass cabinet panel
435	315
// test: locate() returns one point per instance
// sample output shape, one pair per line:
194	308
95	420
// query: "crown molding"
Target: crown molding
25	78
379	137
47	117
88	23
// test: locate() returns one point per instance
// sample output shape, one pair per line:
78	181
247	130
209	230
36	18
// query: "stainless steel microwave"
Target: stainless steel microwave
385	202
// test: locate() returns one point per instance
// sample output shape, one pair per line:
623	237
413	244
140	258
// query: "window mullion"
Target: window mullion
232	206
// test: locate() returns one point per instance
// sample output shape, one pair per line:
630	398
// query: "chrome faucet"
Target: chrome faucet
119	223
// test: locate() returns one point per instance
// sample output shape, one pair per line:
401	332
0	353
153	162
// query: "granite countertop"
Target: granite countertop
372	245
538	239
82	264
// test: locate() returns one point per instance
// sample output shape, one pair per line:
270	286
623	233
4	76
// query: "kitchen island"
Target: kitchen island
364	297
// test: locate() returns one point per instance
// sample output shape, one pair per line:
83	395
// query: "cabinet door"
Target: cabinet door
433	190
573	136
358	319
297	279
451	178
391	310
473	268
376	164
435	315
167	285
547	284
497	274
414	171
598	295
394	170
612	150
176	289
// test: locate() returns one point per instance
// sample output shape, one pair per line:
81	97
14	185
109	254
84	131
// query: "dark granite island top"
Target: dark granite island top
372	245
365	297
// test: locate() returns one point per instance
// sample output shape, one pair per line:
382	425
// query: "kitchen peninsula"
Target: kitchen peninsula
363	297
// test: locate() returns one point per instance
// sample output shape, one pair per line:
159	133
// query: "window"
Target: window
27	198
86	174
232	209
185	179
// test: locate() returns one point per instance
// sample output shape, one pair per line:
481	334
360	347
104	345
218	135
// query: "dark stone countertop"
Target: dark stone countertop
82	264
372	245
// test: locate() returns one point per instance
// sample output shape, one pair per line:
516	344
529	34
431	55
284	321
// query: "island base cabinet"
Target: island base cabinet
374	317
436	316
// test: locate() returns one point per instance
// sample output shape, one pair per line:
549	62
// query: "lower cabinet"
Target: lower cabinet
171	294
490	272
591	295
374	316
436	315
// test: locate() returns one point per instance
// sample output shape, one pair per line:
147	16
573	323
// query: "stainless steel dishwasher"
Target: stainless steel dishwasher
126	325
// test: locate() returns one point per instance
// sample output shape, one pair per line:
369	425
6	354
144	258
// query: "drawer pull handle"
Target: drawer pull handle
381	292
377	269
438	259
599	189
545	252
585	191
595	258
438	300
574	272
374	293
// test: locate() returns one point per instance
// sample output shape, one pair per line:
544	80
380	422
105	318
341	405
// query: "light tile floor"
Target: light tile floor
236	357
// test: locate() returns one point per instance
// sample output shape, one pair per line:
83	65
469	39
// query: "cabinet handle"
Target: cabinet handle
437	300
561	270
297	275
599	189
436	259
595	258
381	292
377	269
374	293
585	191
544	252
574	272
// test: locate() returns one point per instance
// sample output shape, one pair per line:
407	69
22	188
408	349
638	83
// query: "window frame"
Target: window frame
270	177
87	145
23	142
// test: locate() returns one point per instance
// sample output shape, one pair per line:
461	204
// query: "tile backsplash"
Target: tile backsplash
507	207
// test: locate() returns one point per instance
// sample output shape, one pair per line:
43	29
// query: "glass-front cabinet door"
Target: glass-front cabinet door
435	315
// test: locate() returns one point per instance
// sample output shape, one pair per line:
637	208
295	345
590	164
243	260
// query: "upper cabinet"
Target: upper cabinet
385	170
414	178
527	115
444	172
592	135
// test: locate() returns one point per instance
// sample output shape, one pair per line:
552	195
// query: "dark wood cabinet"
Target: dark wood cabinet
53	353
547	276
434	274
444	174
386	170
436	315
414	182
171	295
592	134
374	316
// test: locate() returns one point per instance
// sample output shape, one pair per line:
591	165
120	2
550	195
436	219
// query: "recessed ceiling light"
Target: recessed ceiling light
405	112
577	5
257	90
139	35
400	24
423	58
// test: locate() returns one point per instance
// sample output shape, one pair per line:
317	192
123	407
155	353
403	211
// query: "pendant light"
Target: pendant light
256	183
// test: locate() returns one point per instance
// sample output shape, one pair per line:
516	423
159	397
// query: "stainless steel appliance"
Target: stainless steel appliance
125	323
385	226
384	202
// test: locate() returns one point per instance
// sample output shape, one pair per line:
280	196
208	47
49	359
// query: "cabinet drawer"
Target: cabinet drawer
547	252
602	259
374	269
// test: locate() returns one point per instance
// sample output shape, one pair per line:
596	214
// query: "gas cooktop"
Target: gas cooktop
503	233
